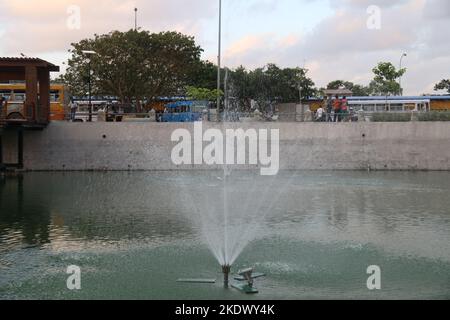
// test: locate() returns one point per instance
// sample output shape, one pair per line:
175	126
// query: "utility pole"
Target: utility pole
219	59
303	73
400	79
89	54
90	91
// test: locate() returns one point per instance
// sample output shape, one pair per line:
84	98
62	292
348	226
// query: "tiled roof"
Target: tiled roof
8	61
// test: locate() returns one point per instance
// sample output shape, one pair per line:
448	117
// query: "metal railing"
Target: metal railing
404	116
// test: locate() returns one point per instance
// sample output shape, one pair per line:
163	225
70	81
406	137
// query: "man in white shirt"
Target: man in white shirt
73	110
320	114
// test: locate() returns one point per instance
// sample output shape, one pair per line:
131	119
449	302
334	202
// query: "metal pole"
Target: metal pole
303	73
90	88
219	58
302	111
135	19
225	86
400	79
226	269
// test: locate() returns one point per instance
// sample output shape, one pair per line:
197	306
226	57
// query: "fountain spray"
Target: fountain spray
226	269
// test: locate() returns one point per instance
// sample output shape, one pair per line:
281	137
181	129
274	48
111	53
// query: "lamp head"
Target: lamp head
88	52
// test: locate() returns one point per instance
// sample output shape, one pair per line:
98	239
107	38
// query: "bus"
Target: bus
390	104
182	111
15	96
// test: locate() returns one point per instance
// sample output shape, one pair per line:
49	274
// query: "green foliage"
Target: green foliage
361	91
134	64
443	85
391	117
203	94
204	75
385	81
358	90
434	116
271	83
338	84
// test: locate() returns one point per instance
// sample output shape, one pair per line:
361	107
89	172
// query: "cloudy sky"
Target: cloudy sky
334	39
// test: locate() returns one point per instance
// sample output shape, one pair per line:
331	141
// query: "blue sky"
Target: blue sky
330	36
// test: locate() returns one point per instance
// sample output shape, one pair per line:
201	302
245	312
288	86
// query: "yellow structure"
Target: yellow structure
15	95
440	105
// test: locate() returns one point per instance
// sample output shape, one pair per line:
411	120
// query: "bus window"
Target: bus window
369	108
54	96
380	108
19	95
396	107
6	94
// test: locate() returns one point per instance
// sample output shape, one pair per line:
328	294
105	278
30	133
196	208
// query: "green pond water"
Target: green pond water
133	235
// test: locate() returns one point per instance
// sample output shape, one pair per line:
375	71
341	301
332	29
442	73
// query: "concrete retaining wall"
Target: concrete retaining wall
147	146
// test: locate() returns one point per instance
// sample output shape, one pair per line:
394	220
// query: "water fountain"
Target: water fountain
226	269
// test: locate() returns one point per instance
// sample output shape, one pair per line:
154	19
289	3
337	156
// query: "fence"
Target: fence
308	116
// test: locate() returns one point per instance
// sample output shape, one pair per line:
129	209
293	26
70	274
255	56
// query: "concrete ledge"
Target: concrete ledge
303	146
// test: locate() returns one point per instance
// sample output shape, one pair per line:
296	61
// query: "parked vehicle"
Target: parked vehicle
15	95
182	111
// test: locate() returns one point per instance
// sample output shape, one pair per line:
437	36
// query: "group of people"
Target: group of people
334	110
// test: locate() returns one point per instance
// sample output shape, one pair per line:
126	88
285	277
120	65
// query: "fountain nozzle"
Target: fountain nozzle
226	269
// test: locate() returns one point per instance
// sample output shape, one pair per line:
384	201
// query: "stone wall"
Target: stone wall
308	146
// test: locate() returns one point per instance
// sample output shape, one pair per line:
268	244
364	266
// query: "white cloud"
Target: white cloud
341	46
338	47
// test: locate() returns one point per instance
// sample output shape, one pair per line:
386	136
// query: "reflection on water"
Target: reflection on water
317	241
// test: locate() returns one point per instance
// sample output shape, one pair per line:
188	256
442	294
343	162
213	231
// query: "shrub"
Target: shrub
391	117
434	116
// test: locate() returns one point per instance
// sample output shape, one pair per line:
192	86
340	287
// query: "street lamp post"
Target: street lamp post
400	79
219	58
135	18
89	53
90	91
300	93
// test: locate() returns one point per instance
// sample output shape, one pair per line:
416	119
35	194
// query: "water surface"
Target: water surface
134	234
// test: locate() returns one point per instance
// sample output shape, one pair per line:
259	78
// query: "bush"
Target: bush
434	116
391	117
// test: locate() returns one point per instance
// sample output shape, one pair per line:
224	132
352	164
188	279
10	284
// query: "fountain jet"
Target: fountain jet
226	269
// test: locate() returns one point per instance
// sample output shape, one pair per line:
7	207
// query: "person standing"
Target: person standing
337	109
320	114
329	108
344	109
73	110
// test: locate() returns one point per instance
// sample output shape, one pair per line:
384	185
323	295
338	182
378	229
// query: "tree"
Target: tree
357	90
443	85
134	65
271	83
385	81
242	87
202	94
340	84
204	75
361	91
